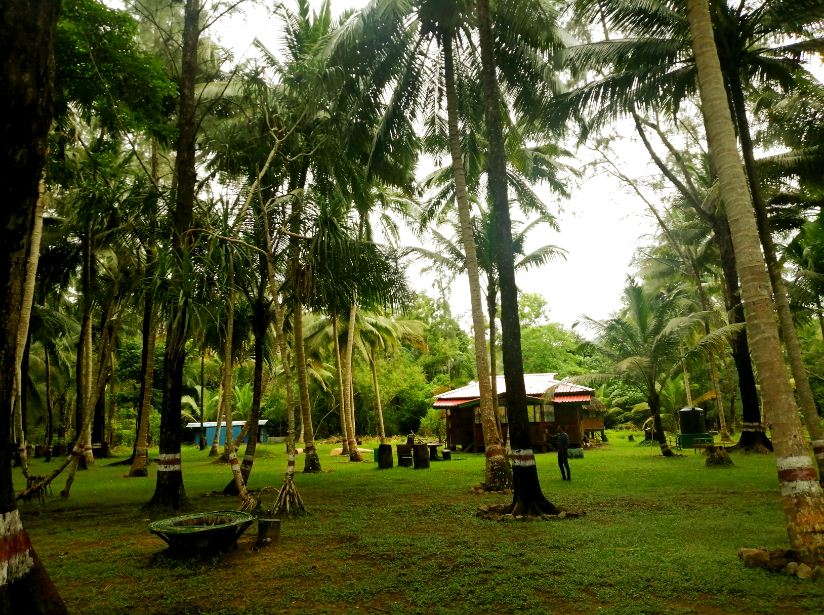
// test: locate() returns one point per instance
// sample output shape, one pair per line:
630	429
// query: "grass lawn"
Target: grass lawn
659	536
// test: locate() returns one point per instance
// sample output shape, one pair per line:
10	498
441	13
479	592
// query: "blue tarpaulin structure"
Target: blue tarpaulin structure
193	431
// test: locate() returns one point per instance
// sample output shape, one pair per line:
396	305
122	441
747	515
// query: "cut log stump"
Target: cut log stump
420	456
385	460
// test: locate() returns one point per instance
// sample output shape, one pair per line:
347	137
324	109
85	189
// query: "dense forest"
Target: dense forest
194	237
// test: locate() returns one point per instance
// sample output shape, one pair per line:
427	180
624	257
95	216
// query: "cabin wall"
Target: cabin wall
464	431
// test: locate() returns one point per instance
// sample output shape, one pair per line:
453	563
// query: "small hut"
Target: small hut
193	431
550	403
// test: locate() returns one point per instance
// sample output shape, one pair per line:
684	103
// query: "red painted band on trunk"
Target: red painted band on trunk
796	474
14	544
818	450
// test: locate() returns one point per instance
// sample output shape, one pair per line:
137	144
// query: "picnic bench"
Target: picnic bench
695	441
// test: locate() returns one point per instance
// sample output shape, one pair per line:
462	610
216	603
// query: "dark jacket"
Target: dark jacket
562	443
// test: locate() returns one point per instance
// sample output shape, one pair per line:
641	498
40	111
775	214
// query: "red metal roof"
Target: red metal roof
568	399
537	385
451	403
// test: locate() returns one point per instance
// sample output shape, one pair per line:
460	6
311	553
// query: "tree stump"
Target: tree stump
420	456
385	460
718	456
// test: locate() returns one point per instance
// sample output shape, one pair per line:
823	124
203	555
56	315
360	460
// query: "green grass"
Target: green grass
659	536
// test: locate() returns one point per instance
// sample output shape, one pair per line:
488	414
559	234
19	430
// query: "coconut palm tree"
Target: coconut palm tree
528	21
801	491
447	255
348	275
806	252
758	44
424	47
691	177
646	341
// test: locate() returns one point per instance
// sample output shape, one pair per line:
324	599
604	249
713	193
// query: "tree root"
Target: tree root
289	502
504	513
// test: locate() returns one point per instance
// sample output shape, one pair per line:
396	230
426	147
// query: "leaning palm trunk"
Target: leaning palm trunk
354	453
214	450
373	365
289	501
719	407
498	474
527	495
809	412
84	408
658	427
801	493
246	500
23	330
260	326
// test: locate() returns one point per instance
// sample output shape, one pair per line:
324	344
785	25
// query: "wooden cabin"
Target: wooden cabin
550	403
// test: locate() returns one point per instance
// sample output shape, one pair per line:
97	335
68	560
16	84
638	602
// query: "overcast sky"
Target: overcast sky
601	224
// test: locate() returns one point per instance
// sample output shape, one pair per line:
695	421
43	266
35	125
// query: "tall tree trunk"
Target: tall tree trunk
108	439
658	427
49	405
169	490
311	461
288	501
341	389
202	440
99	421
246	500
373	364
260	324
354	453
528	497
801	493
214	450
27	32
498	474
140	460
84	410
492	313
809	412
23	337
83	369
753	435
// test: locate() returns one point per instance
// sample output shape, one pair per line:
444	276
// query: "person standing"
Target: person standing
562	444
